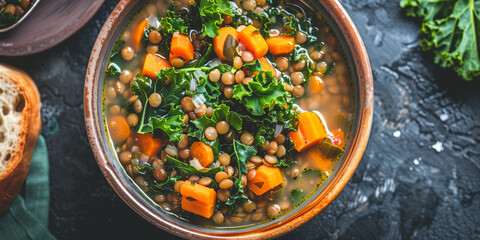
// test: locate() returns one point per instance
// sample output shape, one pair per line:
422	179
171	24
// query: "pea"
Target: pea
159	198
270	159
220	176
152	48
230	135
24	4
214	75
251	174
209	112
246	80
288	87
155	100
227	19
256	160
115	110
127	53
177	186
111	93
316	55
194	178
222	127
247	56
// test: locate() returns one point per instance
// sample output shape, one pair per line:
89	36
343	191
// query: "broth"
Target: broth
145	160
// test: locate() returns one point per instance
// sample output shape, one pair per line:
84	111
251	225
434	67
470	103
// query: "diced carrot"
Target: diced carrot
198	199
219	40
315	156
202	152
118	128
310	131
311	126
253	41
266	179
137	34
283	44
149	145
337	137
181	46
315	85
154	64
266	66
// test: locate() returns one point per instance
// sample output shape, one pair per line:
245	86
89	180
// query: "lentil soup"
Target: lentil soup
218	110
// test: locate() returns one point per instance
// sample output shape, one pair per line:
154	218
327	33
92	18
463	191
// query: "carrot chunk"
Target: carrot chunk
266	66
315	85
219	41
280	44
310	131
266	179
198	199
118	128
149	145
154	64
137	34
253	41
181	46
315	156
202	152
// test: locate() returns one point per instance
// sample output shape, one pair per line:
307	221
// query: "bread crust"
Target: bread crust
11	180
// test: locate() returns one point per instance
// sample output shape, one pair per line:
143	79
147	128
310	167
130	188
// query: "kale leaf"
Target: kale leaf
211	14
189	169
451	30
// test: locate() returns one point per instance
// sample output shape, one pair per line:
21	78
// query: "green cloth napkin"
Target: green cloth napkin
27	217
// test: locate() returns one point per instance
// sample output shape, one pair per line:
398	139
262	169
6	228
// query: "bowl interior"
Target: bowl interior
125	187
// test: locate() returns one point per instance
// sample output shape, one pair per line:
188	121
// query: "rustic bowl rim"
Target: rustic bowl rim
353	155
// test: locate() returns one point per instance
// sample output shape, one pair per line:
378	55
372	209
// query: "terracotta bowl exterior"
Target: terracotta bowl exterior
348	35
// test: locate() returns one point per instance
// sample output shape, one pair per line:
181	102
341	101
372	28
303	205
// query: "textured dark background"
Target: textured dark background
419	177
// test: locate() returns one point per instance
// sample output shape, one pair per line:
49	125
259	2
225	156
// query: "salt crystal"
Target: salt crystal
397	134
438	146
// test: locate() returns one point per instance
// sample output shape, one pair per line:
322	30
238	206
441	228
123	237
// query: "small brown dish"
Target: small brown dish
351	41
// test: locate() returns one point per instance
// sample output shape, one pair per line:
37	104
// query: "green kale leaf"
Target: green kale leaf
211	14
451	30
189	169
173	22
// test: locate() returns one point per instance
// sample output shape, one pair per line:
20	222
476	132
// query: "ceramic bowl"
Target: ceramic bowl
348	35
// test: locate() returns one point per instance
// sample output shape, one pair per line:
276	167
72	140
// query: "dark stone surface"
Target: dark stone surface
419	177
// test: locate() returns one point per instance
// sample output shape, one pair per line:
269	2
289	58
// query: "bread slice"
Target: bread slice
20	125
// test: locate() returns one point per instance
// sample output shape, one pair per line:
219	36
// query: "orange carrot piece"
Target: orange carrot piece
181	46
266	179
315	156
266	66
137	34
312	127
280	44
315	85
310	131
198	199
118	128
149	145
202	152
154	64
219	41
253	41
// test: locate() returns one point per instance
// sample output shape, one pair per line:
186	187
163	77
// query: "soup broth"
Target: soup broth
232	122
